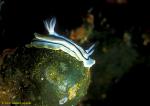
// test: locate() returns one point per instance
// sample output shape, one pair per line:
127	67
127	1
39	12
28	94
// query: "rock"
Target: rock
44	77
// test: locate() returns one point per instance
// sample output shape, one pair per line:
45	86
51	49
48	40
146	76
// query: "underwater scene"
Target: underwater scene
74	53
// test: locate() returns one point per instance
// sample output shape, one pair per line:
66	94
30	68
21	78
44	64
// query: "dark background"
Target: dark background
21	18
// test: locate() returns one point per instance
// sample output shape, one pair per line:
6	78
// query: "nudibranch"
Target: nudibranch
56	41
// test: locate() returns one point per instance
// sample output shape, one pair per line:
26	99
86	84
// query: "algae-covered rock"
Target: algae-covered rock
43	77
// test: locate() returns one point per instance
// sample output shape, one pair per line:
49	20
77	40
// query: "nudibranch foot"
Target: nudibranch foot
41	44
53	46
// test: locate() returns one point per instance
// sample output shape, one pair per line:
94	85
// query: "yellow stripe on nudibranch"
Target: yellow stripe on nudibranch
59	42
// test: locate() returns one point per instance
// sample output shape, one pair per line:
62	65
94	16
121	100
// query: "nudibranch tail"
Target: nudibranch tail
89	54
90	48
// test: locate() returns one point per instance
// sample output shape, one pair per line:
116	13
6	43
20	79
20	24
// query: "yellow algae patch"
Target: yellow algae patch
72	92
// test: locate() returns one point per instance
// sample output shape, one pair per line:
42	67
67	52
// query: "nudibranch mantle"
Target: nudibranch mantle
56	41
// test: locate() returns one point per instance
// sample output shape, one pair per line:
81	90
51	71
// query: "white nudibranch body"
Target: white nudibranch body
59	42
